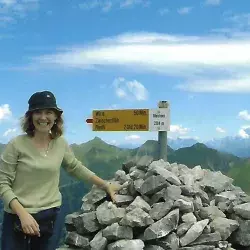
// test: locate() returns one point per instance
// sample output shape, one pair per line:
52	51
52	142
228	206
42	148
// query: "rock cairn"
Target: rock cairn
162	206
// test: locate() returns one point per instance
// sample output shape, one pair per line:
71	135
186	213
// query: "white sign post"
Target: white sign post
159	119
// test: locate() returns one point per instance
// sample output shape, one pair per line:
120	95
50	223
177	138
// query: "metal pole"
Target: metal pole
162	136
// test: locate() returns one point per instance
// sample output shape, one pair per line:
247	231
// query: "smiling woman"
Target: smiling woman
29	176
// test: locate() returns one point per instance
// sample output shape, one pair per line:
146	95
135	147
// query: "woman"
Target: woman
29	176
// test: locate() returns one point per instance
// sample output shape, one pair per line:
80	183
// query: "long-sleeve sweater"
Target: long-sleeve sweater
32	177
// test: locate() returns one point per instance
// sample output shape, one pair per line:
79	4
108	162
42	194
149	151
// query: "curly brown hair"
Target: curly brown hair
28	127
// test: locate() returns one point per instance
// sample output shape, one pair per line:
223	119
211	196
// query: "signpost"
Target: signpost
135	120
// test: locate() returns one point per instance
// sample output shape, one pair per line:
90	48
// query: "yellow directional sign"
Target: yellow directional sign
121	120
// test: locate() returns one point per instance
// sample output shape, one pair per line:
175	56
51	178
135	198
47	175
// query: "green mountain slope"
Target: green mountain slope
200	154
241	175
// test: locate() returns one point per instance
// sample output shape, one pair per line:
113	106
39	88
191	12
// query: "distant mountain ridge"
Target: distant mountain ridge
235	145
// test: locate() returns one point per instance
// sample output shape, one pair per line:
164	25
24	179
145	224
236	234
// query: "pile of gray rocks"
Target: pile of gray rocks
162	206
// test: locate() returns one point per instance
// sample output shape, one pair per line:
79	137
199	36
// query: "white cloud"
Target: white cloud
107	5
5	112
13	9
132	138
241	21
10	132
130	89
4	20
113	106
242	133
178	130
164	11
244	115
213	2
184	10
213	63
130	3
233	85
220	130
191	97
7	2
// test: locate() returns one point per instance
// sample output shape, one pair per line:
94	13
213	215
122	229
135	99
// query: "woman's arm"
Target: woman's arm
8	164
17	208
75	168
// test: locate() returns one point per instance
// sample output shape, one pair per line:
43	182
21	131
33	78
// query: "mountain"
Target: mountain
200	154
231	144
241	176
181	142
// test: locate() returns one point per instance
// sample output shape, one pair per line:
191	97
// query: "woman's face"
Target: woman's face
43	120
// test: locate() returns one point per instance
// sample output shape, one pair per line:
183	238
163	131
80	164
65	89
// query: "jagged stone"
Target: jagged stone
153	247
139	202
188	217
66	248
69	221
117	232
123	199
197	172
241	236
87	207
225	196
170	241
126	166
190	190
121	176
211	213
207	229
216	182
167	175
144	162
200	247
223	245
86	223
160	209
136	218
183	228
197	203
224	226
187	179
76	240
136	244
137	184
172	192
193	233
94	195
159	196
152	184
137	174
108	213
98	242
184	206
162	227
204	197
243	210
207	239
162	206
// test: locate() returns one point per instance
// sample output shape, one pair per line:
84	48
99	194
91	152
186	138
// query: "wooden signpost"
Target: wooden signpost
135	120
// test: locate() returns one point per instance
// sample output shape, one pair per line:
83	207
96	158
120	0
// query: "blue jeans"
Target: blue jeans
12	240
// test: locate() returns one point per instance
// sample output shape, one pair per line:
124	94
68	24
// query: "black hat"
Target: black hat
43	100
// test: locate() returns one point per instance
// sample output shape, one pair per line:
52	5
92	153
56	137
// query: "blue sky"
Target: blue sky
120	54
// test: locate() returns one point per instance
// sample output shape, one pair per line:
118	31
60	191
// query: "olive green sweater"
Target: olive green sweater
32	177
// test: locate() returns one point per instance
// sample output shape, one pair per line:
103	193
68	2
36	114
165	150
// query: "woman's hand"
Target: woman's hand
29	224
112	189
